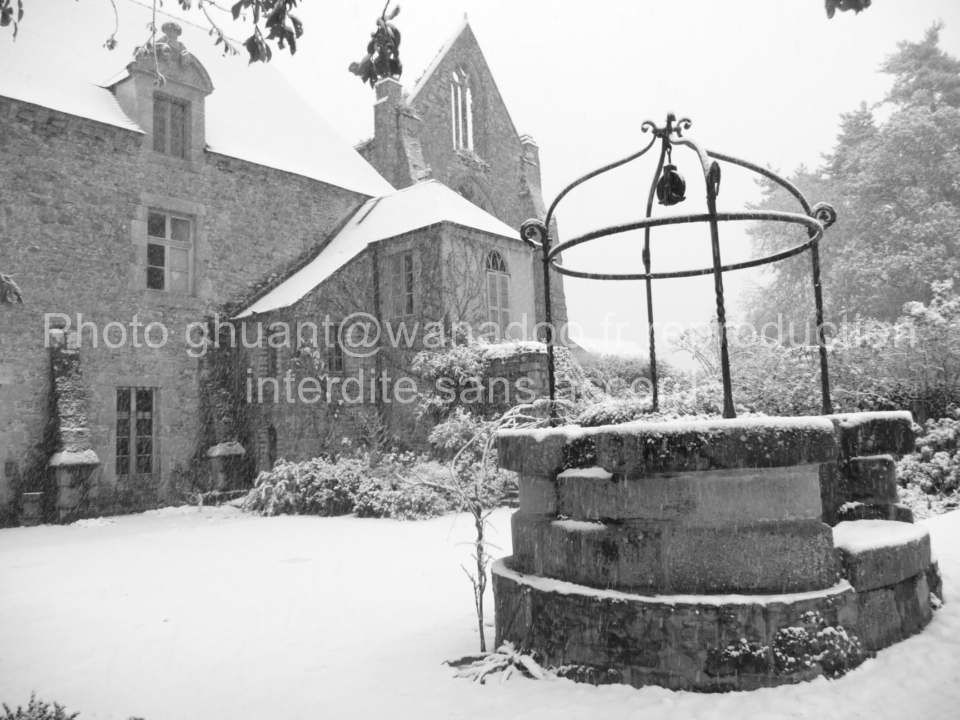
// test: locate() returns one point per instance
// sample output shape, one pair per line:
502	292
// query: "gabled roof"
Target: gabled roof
462	29
253	114
418	206
438	58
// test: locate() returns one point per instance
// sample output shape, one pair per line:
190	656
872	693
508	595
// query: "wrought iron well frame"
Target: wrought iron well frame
816	218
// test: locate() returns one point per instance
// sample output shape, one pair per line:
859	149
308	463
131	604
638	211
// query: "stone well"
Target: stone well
654	552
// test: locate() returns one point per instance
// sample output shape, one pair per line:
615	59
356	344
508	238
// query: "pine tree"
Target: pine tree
896	187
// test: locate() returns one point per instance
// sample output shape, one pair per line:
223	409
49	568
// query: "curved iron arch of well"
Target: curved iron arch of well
665	187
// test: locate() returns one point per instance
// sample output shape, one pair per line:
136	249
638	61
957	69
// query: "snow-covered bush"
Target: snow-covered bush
616	374
614	411
941	435
741	657
390	485
401	486
937	474
312	487
935	467
910	364
811	644
815	642
678	398
395	498
459	369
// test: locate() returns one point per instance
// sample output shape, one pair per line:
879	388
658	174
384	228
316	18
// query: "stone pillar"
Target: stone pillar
72	471
31	508
223	457
74	459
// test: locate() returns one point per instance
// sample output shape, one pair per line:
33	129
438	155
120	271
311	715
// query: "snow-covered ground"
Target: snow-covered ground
205	614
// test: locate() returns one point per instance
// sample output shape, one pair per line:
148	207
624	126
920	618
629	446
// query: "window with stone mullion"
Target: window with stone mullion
168	252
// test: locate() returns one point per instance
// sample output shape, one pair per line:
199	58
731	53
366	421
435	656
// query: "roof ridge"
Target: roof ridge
438	58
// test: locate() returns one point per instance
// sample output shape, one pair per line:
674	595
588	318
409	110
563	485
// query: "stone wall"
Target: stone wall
73	223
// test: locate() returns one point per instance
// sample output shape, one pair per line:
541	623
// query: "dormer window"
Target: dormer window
172	114
171	123
461	110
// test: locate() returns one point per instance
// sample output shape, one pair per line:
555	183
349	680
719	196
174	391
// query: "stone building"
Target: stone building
453	126
138	218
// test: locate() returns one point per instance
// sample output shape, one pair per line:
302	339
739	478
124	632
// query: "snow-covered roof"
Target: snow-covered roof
253	113
62	91
438	58
418	206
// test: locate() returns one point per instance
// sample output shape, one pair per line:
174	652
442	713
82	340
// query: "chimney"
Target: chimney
385	130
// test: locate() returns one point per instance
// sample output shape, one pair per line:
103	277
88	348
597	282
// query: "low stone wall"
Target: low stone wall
681	554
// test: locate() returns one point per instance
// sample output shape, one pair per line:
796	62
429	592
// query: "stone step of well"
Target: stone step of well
664	557
879	553
710	497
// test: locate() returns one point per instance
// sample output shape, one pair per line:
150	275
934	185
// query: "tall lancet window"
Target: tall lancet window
461	110
498	293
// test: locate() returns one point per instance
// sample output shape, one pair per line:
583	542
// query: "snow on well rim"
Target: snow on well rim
564	587
858	418
814	423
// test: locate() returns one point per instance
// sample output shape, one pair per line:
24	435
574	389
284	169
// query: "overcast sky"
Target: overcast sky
764	80
761	79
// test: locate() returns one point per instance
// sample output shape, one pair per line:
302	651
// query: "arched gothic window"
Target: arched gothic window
461	110
498	292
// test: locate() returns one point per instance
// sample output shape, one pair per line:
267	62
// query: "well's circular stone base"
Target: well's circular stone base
668	640
616	521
